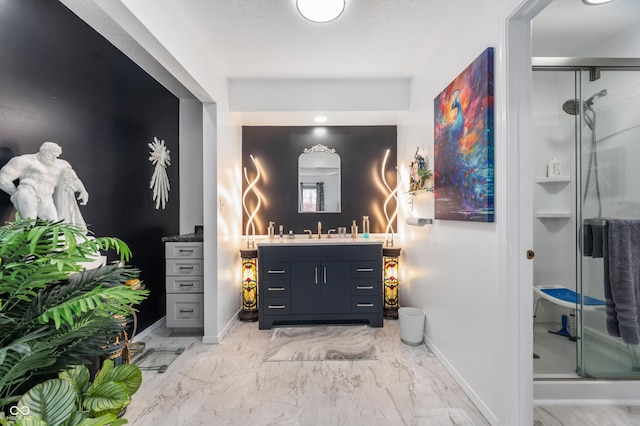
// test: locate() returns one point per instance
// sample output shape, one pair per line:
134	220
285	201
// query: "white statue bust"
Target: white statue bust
46	186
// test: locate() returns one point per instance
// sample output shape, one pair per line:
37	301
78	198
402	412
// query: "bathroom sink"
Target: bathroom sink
303	239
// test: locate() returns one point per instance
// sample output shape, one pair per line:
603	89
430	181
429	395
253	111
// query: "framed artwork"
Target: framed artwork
463	145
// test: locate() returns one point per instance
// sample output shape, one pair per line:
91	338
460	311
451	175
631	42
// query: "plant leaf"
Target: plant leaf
104	420
78	376
127	374
52	400
108	396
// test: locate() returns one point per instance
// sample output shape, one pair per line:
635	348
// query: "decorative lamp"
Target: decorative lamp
251	186
390	254
249	311
390	259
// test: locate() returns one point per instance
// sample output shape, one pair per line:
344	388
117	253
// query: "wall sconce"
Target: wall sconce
251	186
390	259
249	311
392	196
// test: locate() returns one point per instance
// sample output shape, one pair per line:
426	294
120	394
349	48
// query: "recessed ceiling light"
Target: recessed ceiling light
320	10
320	119
595	2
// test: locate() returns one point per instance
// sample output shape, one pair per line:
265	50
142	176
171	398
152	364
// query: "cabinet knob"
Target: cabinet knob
530	254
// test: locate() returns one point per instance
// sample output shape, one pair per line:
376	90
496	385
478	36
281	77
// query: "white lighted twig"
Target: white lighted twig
160	181
392	195
251	187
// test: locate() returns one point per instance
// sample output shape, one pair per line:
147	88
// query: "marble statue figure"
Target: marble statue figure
46	186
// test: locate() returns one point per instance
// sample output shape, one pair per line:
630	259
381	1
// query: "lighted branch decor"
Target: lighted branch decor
251	187
159	181
392	196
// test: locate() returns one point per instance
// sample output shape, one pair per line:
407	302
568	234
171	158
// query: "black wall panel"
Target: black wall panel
361	149
61	81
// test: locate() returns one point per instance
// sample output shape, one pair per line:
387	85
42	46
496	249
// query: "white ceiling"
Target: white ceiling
571	28
373	38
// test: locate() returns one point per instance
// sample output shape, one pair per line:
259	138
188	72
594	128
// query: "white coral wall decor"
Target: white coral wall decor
159	181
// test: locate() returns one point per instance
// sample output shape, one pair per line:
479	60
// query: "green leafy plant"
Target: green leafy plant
53	312
72	400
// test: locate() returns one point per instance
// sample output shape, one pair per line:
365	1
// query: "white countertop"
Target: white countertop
303	239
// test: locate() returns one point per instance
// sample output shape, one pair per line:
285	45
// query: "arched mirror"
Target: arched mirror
319	180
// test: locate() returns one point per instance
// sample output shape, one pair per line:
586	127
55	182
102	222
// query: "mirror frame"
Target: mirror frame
319	148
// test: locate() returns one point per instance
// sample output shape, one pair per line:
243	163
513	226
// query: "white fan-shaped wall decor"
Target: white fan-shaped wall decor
159	157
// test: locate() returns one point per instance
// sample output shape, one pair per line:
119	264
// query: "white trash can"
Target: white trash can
411	325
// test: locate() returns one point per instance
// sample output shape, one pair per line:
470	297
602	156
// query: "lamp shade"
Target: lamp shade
320	10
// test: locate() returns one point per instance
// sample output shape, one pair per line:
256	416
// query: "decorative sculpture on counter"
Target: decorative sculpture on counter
159	180
251	187
46	188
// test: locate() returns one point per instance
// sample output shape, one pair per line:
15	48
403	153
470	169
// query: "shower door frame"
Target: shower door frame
594	66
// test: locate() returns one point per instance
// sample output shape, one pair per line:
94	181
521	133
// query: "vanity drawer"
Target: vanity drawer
184	267
275	288
185	310
366	304
364	268
183	250
365	287
276	270
276	306
184	284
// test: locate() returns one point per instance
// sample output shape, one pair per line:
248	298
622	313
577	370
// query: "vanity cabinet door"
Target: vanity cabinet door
320	287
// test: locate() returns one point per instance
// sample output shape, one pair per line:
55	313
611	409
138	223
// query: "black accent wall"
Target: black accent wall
61	81
361	149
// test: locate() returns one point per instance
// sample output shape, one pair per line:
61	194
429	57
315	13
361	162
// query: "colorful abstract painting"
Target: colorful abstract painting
463	145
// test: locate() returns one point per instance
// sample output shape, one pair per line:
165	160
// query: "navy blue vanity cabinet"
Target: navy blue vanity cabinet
320	283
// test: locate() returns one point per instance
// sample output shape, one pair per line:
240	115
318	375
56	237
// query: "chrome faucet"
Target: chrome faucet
319	230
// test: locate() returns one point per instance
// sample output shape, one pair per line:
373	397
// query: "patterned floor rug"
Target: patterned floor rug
319	343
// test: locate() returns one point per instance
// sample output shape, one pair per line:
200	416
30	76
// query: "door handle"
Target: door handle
276	306
364	269
324	274
186	284
362	287
364	305
316	274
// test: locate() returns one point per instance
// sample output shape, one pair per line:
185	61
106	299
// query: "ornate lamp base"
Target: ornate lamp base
249	316
390	313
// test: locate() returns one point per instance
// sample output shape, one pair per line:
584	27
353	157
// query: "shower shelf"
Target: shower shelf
553	215
556	179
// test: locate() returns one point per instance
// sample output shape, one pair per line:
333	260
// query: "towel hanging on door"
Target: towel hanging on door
622	278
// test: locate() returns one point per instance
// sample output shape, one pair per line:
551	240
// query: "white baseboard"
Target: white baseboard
486	411
586	392
147	331
214	340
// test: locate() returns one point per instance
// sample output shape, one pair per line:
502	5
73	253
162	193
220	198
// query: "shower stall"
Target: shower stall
586	128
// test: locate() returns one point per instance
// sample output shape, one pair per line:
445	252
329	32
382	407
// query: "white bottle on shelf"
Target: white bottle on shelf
553	168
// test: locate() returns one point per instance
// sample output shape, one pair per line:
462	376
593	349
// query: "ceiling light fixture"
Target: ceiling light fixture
320	119
320	10
595	2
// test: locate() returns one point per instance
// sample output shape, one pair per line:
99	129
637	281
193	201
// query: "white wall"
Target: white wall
450	269
161	29
191	208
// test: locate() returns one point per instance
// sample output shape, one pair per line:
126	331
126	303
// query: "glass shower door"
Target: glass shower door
607	188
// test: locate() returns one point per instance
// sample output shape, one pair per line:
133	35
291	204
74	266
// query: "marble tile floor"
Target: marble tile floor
229	384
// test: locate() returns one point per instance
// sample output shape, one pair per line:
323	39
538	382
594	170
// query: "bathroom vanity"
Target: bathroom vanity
320	281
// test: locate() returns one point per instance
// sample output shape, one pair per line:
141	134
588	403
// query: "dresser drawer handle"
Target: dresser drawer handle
185	250
186	284
276	271
364	305
185	267
186	310
361	287
275	288
364	269
276	306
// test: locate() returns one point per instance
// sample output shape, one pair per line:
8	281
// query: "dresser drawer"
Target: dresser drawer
276	270
365	287
183	250
185	310
366	304
276	306
275	288
184	267
364	269
182	284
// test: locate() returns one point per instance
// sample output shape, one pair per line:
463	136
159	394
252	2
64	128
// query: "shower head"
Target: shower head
600	94
572	106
